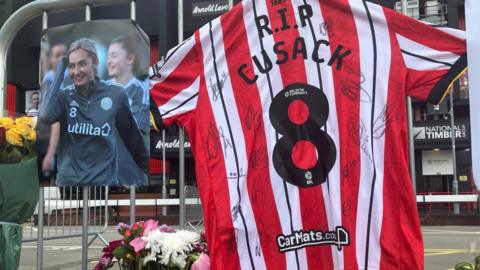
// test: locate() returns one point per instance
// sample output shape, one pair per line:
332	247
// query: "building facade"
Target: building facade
432	123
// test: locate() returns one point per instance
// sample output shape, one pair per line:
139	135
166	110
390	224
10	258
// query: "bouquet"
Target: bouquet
145	245
17	139
18	185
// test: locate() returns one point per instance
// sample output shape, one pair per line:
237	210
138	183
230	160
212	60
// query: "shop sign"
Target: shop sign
175	144
171	144
437	162
209	8
441	132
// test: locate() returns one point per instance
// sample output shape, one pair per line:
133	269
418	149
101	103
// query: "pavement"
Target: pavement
447	245
444	247
66	253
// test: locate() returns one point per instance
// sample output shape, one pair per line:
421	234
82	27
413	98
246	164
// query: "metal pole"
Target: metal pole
180	21
106	213
88	17
85	229
456	205
132	204
181	184
164	174
24	15
133	16
411	144
40	229
42	190
181	137
404	7
133	10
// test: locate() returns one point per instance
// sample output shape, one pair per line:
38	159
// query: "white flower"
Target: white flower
169	248
152	245
188	236
174	249
150	257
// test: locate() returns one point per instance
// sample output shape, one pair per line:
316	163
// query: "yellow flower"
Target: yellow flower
6	122
24	120
22	129
13	137
32	136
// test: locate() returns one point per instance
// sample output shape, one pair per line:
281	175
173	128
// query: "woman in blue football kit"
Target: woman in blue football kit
100	143
122	64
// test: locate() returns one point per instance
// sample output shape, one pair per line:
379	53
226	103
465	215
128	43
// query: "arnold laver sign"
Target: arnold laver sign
441	132
171	144
209	8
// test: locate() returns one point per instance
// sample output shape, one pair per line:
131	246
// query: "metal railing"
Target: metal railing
444	202
193	211
61	210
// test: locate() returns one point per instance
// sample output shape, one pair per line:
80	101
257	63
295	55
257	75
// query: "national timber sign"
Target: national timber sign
441	131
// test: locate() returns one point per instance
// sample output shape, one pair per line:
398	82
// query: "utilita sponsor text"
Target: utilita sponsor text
89	129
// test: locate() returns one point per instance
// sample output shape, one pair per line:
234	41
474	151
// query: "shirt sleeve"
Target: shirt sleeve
130	134
174	85
139	110
434	57
51	109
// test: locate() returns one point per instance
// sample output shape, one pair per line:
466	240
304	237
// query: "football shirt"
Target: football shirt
296	112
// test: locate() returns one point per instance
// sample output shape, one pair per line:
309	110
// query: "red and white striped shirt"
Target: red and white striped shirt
296	115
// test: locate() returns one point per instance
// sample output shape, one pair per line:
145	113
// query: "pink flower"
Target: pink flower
202	263
111	247
150	225
105	260
137	244
165	228
121	227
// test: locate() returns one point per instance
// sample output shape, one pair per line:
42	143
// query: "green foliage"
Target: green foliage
120	252
477	260
464	266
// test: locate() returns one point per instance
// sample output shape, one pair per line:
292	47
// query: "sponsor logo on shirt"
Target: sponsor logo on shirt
74	104
300	239
295	92
89	129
